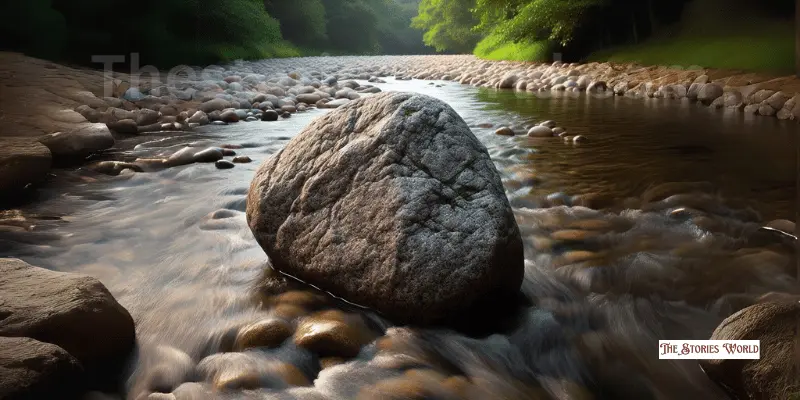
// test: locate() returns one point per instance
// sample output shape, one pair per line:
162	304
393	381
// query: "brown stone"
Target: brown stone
773	376
332	333
267	333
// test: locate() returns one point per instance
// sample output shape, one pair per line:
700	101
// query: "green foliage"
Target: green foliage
768	49
171	32
447	24
352	26
303	25
495	47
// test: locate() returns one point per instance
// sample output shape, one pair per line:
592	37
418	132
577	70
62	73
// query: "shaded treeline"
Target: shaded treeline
577	27
171	32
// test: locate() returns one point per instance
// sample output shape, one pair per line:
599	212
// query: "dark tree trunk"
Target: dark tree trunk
797	36
635	29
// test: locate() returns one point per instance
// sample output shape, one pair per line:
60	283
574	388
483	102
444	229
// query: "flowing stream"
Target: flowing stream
174	249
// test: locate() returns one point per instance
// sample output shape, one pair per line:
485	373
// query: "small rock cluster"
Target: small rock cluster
544	129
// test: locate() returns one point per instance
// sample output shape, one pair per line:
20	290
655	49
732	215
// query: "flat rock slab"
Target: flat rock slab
391	203
22	161
74	312
30	369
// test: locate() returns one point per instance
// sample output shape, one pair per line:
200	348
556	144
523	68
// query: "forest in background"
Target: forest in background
733	34
166	33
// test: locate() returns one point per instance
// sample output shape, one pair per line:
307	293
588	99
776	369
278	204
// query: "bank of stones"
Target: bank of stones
61	114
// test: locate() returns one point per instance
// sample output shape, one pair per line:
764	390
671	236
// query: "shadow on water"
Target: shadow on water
653	260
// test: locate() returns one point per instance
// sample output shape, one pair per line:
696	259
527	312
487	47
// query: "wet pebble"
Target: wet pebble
540	131
242	160
332	333
229	116
286	114
268	333
224	164
208	155
269	115
579	139
504	131
549	124
227	152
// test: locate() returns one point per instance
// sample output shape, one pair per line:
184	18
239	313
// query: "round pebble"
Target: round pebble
242	159
504	131
540	131
269	115
286	114
224	164
579	139
332	333
269	333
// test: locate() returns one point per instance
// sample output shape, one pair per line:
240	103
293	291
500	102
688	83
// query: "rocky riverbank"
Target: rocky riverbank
60	334
57	114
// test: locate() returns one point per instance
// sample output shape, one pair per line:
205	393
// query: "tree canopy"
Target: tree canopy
171	32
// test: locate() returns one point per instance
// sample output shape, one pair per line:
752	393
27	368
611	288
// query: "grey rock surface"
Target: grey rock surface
391	203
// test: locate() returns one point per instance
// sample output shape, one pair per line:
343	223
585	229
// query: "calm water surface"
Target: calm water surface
186	276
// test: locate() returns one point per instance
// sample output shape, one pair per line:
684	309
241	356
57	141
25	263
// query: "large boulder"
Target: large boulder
773	376
74	312
22	161
391	203
30	370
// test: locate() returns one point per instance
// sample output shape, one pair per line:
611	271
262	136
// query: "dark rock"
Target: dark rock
269	115
74	312
224	164
428	233
22	162
32	370
229	116
242	159
126	126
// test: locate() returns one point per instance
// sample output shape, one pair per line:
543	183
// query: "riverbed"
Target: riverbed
607	282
